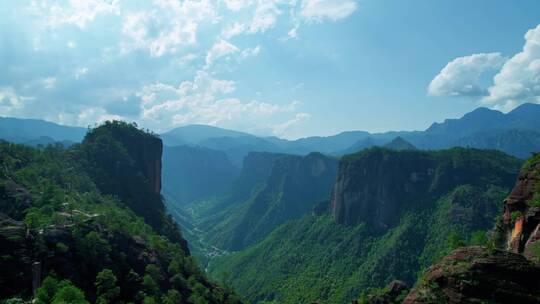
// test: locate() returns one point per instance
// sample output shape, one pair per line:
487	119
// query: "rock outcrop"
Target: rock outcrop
476	275
375	186
521	220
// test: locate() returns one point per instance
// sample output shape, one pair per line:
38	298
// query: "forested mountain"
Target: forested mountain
504	272
87	224
391	214
272	189
515	133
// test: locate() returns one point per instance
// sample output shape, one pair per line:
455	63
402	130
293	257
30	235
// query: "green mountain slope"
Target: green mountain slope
283	187
87	224
328	259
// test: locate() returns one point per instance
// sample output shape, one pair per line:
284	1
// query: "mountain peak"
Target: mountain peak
399	144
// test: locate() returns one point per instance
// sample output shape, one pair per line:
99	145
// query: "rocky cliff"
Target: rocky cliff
521	220
375	186
476	275
273	192
126	162
506	275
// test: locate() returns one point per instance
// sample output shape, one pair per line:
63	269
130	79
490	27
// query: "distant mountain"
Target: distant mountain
195	134
399	144
516	133
391	215
35	131
195	173
289	189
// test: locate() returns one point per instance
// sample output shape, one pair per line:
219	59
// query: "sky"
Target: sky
286	68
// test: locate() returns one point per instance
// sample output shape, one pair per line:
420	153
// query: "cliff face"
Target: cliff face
126	162
521	220
377	185
274	192
474	275
374	187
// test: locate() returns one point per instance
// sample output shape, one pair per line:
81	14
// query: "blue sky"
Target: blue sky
289	68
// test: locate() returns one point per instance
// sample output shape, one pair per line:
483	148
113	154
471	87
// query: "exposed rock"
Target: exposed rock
375	186
521	221
475	275
14	199
393	293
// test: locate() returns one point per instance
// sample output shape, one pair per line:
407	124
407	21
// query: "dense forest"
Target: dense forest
90	221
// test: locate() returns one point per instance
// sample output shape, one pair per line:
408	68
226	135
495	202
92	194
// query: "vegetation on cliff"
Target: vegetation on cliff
317	258
89	222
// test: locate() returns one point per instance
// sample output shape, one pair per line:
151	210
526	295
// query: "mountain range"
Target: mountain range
481	128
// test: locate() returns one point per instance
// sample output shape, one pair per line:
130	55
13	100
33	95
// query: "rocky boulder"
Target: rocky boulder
477	275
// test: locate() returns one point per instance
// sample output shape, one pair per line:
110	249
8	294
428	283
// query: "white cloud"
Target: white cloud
80	72
11	103
232	30
49	83
220	49
236	5
76	12
71	45
251	52
319	10
206	100
92	115
265	16
293	33
461	76
167	27
281	129
519	79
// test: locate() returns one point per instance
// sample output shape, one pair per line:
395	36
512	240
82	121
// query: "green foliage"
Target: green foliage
94	233
454	241
53	291
478	238
106	289
534	250
172	297
515	215
315	259
69	294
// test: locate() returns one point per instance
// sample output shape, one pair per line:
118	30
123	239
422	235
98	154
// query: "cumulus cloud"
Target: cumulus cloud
167	26
77	12
206	100
519	79
236	5
461	76
160	62
265	16
516	80
232	30
319	10
220	49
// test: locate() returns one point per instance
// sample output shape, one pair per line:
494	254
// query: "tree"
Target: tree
69	294
106	288
172	297
45	293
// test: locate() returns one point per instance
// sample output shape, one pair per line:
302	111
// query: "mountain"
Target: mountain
289	189
87	224
27	130
196	173
399	144
515	133
195	134
505	273
391	214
